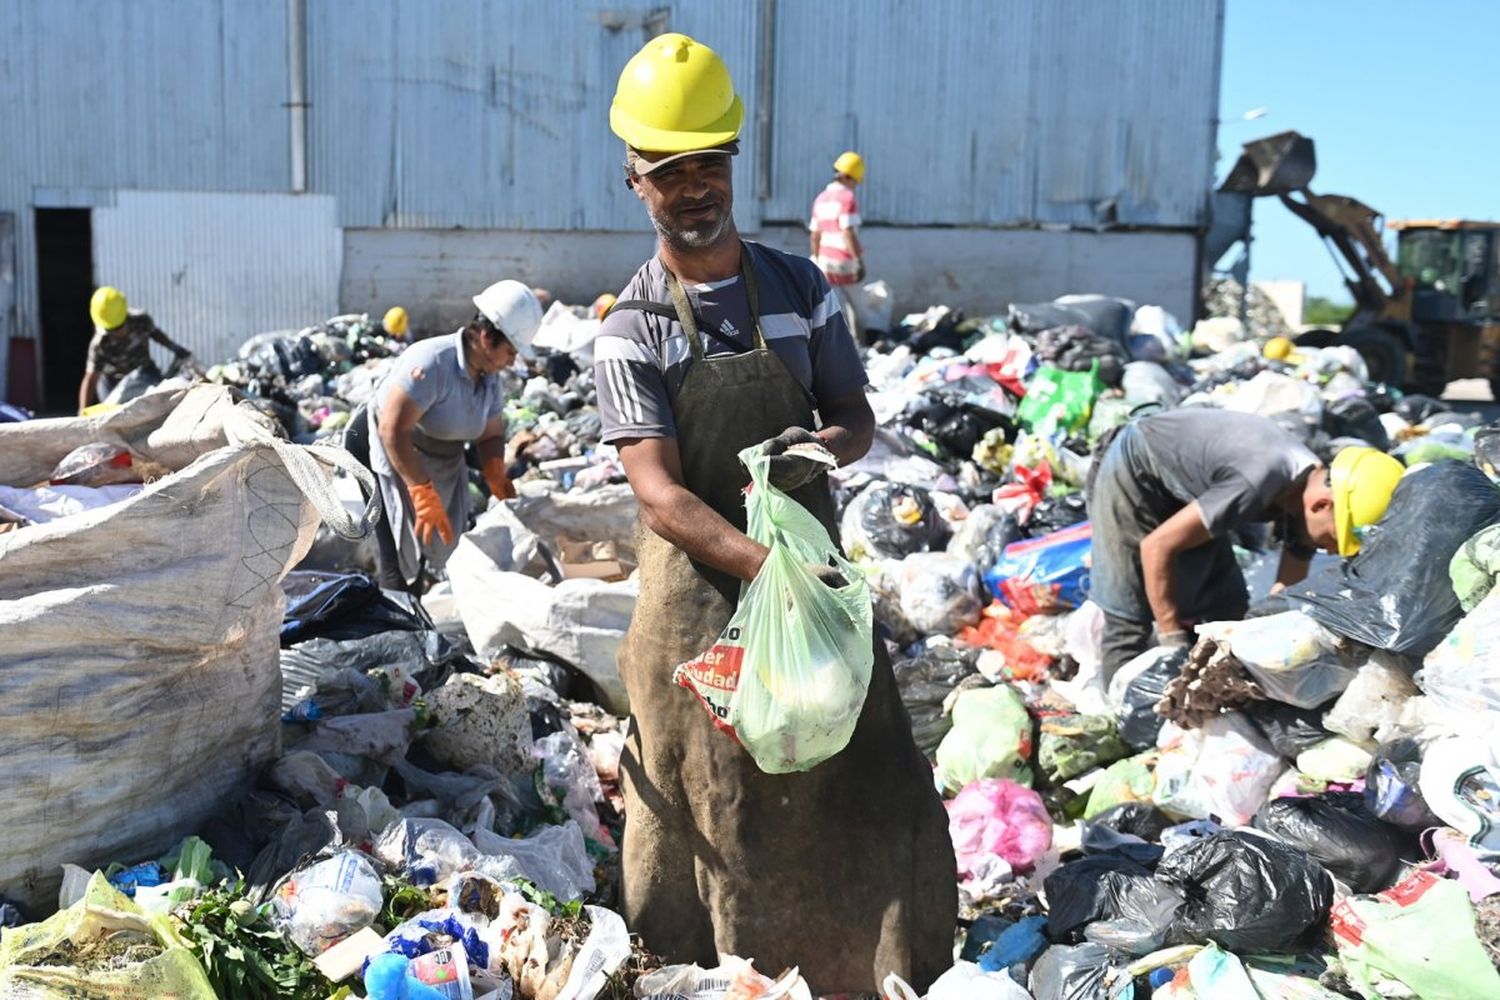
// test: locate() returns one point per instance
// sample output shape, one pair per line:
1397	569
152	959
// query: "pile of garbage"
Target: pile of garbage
1302	804
312	380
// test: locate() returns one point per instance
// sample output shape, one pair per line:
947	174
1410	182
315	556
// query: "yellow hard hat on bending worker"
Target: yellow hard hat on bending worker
1361	481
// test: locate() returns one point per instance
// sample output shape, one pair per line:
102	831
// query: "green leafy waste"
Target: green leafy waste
245	957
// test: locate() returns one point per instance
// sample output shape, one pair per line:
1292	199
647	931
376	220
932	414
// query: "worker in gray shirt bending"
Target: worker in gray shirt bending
1169	490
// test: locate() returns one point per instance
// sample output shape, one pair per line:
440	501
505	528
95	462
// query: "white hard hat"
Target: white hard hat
514	310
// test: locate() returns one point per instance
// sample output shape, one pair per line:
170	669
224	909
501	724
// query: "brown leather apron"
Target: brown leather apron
845	871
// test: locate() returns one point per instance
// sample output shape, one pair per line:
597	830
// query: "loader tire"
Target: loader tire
1383	351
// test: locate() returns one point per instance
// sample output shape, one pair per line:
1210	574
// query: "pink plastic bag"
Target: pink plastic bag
995	817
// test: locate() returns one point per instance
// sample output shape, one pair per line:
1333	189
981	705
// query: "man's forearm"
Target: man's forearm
847	434
86	390
697	529
1158	567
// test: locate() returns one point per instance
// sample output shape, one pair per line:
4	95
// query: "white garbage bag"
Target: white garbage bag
139	678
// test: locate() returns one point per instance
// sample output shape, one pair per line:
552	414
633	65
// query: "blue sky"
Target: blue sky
1402	99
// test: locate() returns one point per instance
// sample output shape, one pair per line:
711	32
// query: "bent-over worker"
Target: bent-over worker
716	345
121	344
439	395
1170	489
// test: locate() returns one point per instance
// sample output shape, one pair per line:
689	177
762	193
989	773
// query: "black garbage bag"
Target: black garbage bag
1076	349
955	424
1289	729
936	328
1137	721
1080	972
924	681
1416	408
1095	887
1388	597
1101	315
891	521
1246	892
1392	789
1487	452
1101	839
1138	819
136	383
1057	513
1339	832
345	606
1355	416
427	656
1002	533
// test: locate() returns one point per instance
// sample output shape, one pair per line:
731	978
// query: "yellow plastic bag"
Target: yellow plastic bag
100	948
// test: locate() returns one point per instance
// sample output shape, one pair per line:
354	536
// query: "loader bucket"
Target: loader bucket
1277	164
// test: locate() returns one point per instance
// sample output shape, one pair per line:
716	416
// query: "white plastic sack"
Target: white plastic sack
567	333
139	677
965	981
1291	656
939	592
581	622
1155	334
1270	393
1462	675
555	859
872	304
676	982
1224	769
1372	704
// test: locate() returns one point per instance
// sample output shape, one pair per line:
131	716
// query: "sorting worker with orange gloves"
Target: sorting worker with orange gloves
441	394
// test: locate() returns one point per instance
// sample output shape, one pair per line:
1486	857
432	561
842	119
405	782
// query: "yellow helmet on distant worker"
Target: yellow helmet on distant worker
1278	348
1362	481
675	95
108	308
396	321
602	305
851	165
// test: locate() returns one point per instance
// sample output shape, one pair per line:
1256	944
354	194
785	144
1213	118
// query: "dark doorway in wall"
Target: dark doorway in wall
65	280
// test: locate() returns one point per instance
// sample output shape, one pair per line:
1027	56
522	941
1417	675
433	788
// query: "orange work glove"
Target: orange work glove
497	478
429	514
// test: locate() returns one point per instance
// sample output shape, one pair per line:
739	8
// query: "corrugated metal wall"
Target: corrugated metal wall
491	114
981	112
215	269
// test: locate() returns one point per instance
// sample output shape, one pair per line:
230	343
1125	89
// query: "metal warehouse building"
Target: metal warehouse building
238	166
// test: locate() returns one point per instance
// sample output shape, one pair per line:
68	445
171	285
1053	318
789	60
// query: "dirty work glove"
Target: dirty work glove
788	472
498	479
429	515
1183	638
828	576
859	274
181	353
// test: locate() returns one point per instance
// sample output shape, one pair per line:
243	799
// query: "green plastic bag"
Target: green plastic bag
1130	780
1059	400
789	674
1073	744
119	952
1419	932
990	738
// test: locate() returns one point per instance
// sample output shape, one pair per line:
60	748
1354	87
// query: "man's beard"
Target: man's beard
700	237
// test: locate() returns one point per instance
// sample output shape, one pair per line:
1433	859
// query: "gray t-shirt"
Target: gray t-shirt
640	358
454	407
1234	465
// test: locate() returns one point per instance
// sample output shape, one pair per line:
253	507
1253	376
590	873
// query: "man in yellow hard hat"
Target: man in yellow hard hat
835	223
121	344
1170	489
716	345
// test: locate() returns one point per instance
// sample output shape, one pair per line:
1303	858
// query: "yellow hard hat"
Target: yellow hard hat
1362	481
675	95
852	165
395	321
107	307
602	305
1278	348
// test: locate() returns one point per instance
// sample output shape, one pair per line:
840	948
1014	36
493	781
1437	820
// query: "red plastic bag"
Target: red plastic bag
1029	489
999	630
